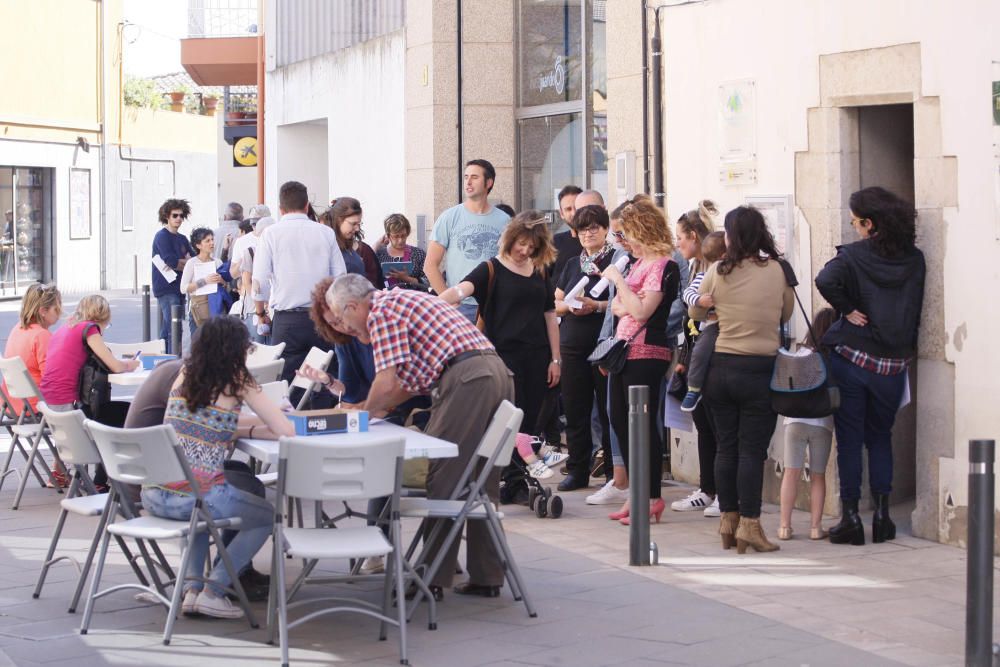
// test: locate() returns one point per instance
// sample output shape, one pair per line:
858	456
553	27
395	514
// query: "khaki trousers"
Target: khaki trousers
464	401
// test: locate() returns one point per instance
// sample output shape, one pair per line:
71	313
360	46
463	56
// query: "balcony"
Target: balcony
221	47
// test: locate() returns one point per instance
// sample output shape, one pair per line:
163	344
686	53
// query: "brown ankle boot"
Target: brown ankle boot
750	534
727	528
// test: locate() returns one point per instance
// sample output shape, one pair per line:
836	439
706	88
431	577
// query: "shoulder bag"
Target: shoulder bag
93	388
611	354
480	322
800	384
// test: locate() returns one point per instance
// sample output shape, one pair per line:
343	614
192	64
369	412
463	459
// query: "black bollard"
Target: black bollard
176	329
638	474
145	314
979	572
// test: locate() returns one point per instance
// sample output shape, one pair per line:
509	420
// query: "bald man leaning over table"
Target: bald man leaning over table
423	345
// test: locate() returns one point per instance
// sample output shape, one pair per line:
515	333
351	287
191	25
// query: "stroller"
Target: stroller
517	485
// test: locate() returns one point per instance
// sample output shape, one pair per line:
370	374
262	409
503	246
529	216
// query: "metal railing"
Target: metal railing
222	18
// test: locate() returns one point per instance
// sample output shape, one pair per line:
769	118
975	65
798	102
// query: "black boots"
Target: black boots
850	530
882	526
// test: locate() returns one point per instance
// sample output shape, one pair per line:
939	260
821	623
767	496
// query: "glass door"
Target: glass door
26	242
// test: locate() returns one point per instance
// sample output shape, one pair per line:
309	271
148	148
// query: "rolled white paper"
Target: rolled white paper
602	284
571	299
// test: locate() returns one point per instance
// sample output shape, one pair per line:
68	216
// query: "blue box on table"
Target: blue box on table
151	361
334	420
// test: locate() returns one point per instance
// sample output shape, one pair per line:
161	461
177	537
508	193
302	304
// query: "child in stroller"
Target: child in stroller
520	483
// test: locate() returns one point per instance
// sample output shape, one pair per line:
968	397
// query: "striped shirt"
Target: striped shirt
691	295
877	365
417	333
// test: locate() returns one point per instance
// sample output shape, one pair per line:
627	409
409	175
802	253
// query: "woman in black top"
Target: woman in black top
877	287
515	297
578	333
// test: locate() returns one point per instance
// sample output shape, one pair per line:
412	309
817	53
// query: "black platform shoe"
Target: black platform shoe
850	530
882	526
469	588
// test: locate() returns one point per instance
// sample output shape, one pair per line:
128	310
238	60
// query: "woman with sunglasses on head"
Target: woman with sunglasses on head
515	295
29	339
876	285
578	334
642	303
751	297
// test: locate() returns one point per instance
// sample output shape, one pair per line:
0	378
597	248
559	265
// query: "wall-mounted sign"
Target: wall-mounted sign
245	152
556	78
737	111
79	203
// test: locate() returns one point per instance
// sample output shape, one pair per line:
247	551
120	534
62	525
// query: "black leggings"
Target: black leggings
706	447
649	372
530	367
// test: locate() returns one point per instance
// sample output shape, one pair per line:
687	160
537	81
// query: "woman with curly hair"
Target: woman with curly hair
642	303
876	285
751	298
204	407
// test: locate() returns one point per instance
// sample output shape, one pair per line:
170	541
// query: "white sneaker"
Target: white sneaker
698	500
189	602
553	458
713	509
608	495
373	565
539	470
223	607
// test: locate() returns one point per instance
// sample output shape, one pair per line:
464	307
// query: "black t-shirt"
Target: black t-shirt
567	247
578	333
515	311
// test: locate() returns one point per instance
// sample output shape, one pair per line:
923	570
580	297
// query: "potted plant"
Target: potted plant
177	100
210	102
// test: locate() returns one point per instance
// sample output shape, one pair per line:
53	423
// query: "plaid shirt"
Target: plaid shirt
418	333
877	365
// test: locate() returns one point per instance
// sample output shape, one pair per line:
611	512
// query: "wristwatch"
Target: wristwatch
557	362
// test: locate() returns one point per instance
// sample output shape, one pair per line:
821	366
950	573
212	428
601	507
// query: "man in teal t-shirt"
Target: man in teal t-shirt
466	235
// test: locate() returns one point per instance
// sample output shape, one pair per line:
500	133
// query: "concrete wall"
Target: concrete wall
304	157
358	94
811	61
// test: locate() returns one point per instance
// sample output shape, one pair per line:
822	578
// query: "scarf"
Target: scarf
589	263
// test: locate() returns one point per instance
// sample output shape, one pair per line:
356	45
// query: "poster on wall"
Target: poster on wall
79	203
777	212
737	118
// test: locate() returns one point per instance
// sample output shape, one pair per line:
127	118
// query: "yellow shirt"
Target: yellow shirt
751	302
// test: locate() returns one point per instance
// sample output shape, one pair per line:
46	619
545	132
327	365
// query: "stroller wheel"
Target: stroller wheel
555	507
547	492
540	508
532	498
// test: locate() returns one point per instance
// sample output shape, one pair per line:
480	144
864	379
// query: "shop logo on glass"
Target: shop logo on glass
554	79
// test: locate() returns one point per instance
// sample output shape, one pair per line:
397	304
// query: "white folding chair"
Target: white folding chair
469	501
343	473
316	358
154	456
267	372
30	425
158	346
261	353
77	450
276	391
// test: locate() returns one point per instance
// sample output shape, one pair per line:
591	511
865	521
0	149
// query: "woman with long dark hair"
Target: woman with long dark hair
876	284
203	408
751	298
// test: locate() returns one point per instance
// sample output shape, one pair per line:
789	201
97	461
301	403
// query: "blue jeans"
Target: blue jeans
469	311
868	406
164	302
222	501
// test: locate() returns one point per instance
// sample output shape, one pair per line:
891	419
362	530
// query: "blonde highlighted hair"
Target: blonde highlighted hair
93	308
37	297
533	226
645	224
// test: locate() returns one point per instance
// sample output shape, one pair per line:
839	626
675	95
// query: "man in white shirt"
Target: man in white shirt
241	268
466	235
291	257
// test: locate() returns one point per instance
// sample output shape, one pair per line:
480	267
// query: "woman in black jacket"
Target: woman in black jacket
877	286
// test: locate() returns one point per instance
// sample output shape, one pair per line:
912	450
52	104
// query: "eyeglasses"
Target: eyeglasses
593	229
856	222
618	235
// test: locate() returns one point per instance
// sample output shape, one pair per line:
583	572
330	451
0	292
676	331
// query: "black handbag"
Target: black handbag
611	354
93	387
800	384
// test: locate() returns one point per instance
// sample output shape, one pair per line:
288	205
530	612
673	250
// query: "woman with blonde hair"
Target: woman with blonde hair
516	301
30	337
642	303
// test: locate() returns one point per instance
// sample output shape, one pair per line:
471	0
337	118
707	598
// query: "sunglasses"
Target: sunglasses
534	223
618	235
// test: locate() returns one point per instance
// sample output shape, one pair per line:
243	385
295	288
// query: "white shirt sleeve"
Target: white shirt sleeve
188	274
263	267
337	265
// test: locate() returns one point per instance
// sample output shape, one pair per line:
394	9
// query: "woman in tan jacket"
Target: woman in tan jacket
751	299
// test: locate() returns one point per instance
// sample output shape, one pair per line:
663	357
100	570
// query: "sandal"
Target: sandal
784	532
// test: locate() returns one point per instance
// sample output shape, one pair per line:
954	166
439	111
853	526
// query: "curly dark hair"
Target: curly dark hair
173	205
318	308
199	235
894	228
218	362
747	237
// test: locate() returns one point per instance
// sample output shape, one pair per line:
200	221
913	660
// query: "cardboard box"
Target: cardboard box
151	361
334	420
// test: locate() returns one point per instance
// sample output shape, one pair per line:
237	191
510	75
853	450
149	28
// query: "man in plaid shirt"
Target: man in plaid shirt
423	345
